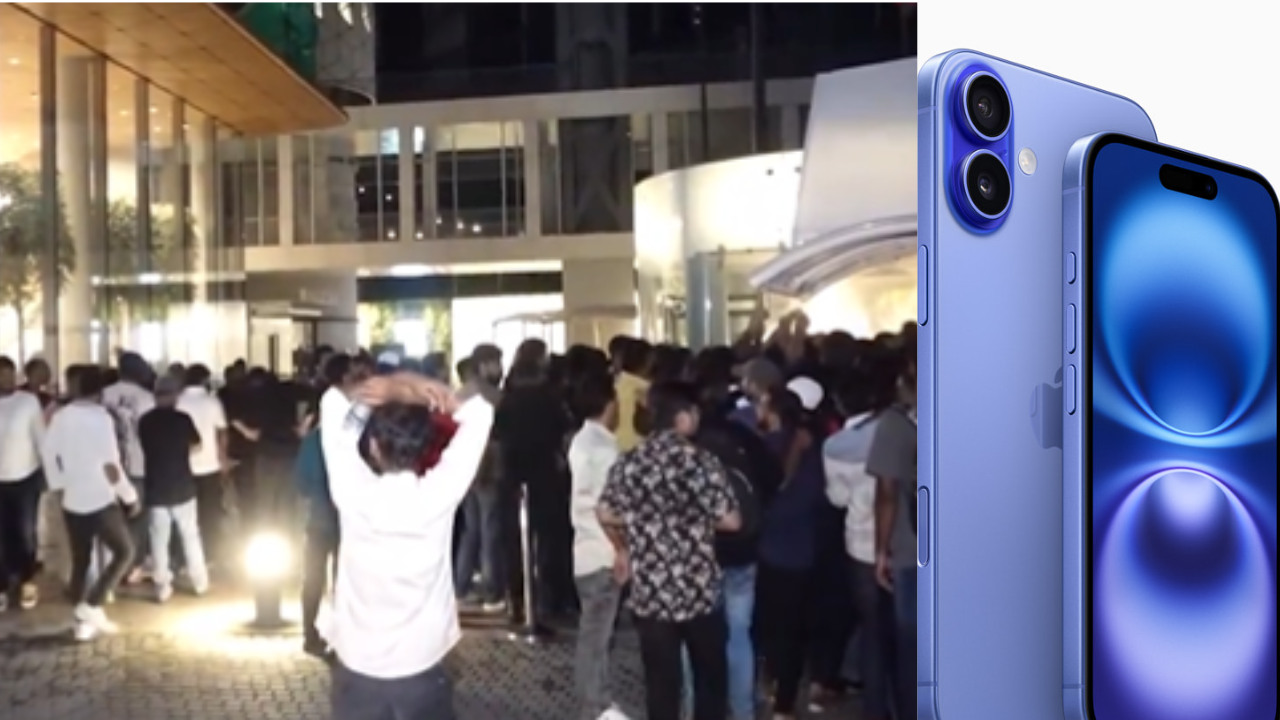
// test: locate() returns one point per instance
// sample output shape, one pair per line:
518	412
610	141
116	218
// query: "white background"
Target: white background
1206	71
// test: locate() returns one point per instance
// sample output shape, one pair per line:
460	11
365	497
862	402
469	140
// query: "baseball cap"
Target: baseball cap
808	390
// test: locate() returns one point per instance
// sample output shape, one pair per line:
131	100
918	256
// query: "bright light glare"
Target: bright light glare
268	557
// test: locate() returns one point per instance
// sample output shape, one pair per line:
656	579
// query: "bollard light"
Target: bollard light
268	560
268	557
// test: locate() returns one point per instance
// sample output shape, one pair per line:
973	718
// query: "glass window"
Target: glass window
594	157
22	238
336	195
480	179
641	147
549	156
269	189
125	291
367	158
389	183
304	186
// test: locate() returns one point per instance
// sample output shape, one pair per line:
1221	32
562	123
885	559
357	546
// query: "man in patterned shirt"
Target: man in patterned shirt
662	505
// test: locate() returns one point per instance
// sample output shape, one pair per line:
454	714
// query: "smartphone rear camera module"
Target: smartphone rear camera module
987	185
987	108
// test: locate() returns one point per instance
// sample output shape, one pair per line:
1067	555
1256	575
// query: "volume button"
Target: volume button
1070	328
922	285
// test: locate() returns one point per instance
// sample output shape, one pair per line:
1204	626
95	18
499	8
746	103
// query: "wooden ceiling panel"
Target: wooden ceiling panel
197	52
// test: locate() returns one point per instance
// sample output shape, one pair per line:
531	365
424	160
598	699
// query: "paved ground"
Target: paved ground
193	660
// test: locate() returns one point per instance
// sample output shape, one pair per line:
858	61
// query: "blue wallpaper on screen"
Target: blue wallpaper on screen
1183	423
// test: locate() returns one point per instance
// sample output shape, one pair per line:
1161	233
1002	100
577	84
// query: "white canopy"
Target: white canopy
857	204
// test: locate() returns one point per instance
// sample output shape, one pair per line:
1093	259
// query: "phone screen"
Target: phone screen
1180	389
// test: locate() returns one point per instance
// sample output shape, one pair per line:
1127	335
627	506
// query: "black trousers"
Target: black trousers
874	608
661	643
425	696
319	556
19	516
249	496
211	516
832	626
551	541
783	600
107	526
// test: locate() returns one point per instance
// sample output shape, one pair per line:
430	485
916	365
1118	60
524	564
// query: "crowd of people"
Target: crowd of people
749	508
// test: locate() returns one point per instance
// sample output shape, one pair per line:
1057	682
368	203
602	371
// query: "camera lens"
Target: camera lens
987	106
987	185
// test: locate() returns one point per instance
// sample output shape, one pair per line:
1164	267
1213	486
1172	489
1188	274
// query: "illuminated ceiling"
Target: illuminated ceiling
193	50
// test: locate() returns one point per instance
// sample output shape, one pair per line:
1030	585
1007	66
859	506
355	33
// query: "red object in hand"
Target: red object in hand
443	428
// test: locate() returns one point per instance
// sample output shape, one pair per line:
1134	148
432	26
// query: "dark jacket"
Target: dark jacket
738	447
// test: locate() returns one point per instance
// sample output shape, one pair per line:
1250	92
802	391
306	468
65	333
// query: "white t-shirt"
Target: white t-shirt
128	402
394	613
21	430
592	452
849	486
80	442
206	412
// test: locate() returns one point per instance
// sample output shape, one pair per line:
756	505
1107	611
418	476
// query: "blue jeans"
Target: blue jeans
739	598
600	595
480	544
904	604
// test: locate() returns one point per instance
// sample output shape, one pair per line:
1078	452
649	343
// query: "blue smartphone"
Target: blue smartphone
1169	462
993	137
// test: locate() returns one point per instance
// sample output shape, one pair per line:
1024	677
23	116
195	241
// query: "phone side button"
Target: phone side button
1070	390
922	285
1070	339
1071	268
922	527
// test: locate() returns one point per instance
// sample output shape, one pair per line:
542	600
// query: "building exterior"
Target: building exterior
436	209
271	221
125	129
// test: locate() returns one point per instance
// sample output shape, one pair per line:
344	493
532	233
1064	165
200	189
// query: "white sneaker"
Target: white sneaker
163	593
97	617
614	713
83	613
84	631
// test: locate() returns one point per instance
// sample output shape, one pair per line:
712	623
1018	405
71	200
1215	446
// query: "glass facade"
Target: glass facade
455	181
120	218
479	178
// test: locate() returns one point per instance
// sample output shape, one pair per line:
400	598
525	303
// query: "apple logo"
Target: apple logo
1046	413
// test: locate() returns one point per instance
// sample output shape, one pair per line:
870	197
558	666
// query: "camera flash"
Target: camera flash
1027	161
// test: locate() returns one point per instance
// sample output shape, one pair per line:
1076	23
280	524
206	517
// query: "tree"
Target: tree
22	242
127	258
130	259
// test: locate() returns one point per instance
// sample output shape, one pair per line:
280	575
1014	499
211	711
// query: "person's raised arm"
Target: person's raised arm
458	464
460	461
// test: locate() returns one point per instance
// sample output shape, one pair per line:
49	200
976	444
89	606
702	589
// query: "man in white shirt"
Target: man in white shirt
21	484
863	398
128	400
82	455
394	616
598	573
208	459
